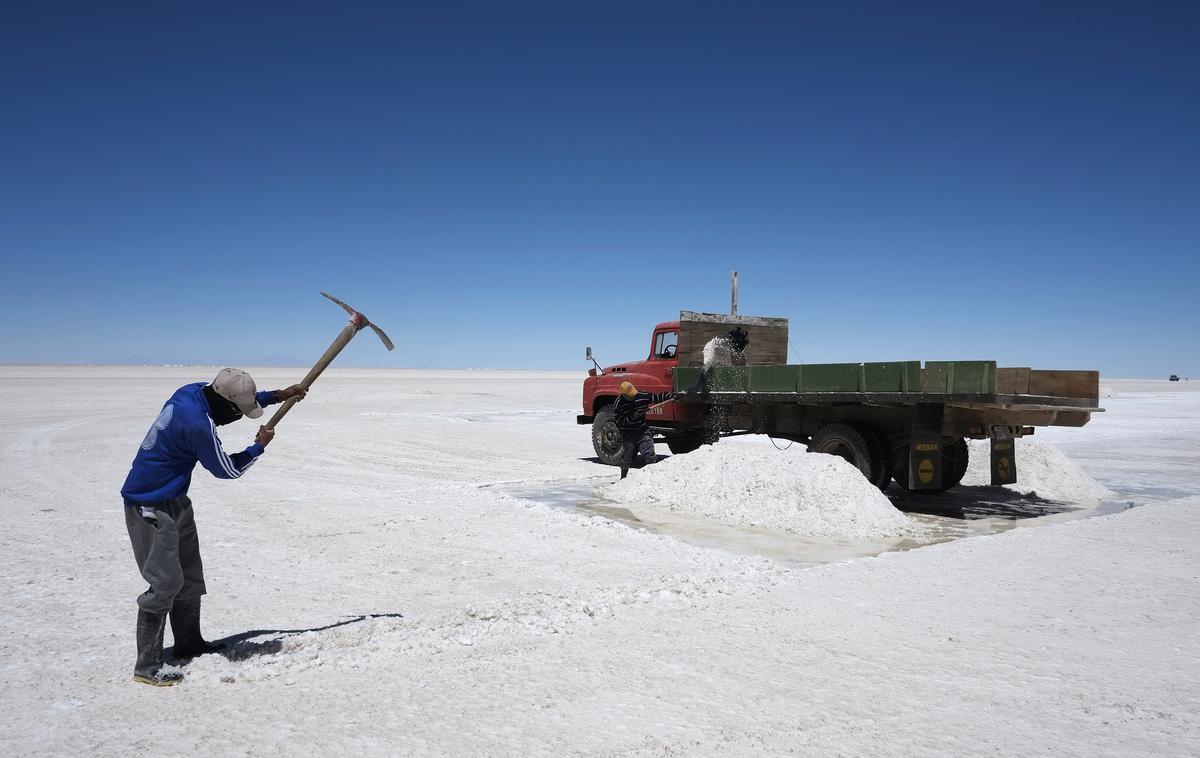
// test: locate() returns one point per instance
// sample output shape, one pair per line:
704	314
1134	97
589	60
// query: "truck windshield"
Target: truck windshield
666	344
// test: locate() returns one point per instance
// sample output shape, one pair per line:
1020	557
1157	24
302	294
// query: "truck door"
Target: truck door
663	361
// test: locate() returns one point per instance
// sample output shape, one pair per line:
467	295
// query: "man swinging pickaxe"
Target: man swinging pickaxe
158	511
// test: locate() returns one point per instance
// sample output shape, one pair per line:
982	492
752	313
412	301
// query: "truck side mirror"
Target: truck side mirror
597	369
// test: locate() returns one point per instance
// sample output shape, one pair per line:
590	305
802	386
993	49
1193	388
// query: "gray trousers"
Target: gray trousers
167	551
634	442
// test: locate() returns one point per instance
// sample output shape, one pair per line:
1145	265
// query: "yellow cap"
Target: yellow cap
628	390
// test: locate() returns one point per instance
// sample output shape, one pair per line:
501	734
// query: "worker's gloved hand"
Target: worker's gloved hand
295	391
264	436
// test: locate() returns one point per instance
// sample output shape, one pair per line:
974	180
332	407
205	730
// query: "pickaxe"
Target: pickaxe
358	322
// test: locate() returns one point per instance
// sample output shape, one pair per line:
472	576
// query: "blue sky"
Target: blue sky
499	185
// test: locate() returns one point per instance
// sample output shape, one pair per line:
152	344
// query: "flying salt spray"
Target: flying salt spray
718	352
722	350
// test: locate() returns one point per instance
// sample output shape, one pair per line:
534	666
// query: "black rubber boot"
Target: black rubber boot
185	626
149	666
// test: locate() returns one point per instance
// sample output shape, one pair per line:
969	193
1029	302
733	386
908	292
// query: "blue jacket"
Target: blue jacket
182	434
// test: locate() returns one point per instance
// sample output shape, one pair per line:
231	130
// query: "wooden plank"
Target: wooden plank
974	376
774	378
831	377
959	377
685	377
1012	381
1065	383
728	379
767	345
725	318
935	377
1071	419
890	377
947	381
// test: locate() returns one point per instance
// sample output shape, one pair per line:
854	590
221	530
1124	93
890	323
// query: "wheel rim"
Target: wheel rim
610	437
840	449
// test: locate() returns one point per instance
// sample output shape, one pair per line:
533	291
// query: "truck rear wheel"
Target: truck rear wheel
954	464
881	459
848	443
955	457
684	443
606	437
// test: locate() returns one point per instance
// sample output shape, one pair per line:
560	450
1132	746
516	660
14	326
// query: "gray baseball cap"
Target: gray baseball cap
237	387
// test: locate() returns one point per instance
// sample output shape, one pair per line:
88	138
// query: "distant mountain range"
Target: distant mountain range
262	360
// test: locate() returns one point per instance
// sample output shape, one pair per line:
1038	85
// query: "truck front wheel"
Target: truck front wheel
606	437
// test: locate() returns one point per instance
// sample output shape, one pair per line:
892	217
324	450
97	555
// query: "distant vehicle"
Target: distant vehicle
1174	378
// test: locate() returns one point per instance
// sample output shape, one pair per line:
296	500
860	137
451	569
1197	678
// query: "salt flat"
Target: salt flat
449	616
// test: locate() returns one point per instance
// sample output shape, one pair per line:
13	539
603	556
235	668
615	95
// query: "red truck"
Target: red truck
902	420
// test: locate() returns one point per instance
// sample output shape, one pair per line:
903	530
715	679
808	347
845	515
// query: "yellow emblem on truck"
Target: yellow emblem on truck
925	471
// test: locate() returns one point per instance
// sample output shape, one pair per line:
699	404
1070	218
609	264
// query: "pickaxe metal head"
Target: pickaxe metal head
360	321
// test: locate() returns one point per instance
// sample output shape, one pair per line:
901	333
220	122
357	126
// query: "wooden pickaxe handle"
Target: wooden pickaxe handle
659	405
322	363
358	322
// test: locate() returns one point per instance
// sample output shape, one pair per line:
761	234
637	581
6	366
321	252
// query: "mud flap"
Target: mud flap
925	463
925	448
1004	460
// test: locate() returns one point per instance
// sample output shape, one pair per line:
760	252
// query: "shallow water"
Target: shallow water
959	513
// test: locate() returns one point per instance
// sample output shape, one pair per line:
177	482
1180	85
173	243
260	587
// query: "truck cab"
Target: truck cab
654	373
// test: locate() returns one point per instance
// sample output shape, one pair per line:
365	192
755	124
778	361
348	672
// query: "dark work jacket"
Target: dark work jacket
631	414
